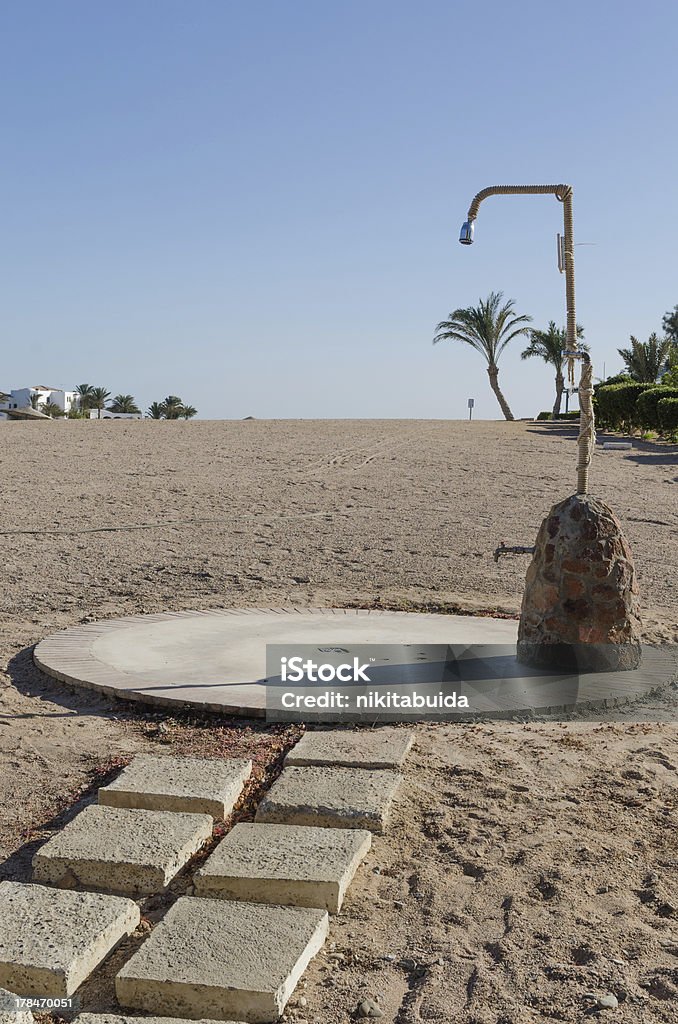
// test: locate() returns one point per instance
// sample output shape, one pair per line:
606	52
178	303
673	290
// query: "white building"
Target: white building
106	414
22	398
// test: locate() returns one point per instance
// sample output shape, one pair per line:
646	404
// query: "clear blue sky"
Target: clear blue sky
256	205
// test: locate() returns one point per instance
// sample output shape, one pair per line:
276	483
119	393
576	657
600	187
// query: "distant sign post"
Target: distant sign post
471	403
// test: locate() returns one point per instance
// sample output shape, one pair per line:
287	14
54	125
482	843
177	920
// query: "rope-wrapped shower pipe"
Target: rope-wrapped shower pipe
587	435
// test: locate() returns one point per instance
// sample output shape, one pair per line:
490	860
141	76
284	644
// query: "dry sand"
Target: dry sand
528	864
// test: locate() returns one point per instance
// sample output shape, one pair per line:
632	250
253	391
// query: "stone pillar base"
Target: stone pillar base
580	606
577	658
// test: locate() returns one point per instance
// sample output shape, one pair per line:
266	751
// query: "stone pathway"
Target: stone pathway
8	1012
119	1018
52	939
379	748
125	851
238	948
331	798
291	865
201	786
217	958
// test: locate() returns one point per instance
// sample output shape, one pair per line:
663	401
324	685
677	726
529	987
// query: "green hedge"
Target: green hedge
646	406
619	378
667	409
615	405
561	415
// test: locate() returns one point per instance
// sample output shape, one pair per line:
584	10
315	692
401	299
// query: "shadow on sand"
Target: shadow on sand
31	682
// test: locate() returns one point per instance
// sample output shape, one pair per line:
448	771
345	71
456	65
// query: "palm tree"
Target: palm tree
53	410
551	346
488	328
124	403
645	360
154	411
172	407
84	393
98	397
188	412
35	400
670	325
672	360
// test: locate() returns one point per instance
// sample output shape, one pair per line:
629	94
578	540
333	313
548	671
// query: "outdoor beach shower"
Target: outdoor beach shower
580	604
564	194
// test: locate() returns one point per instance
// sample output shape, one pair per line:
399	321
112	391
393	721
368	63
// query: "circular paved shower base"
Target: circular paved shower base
216	660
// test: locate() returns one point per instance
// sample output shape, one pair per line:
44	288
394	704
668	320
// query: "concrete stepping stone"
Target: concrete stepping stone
219	959
9	1014
373	748
330	798
291	865
121	850
52	939
194	784
120	1018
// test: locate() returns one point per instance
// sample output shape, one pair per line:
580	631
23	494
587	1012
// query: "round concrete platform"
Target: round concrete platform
216	660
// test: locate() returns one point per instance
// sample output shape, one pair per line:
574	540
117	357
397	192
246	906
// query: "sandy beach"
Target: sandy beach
528	864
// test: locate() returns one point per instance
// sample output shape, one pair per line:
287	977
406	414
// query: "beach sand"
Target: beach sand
527	864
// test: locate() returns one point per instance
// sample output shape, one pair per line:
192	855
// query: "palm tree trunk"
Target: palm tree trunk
493	374
560	383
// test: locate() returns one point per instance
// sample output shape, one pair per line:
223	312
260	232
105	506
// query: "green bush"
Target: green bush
615	405
646	406
667	409
561	415
619	378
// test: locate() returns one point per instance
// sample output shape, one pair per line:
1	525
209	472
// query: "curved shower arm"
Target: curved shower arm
561	192
564	194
